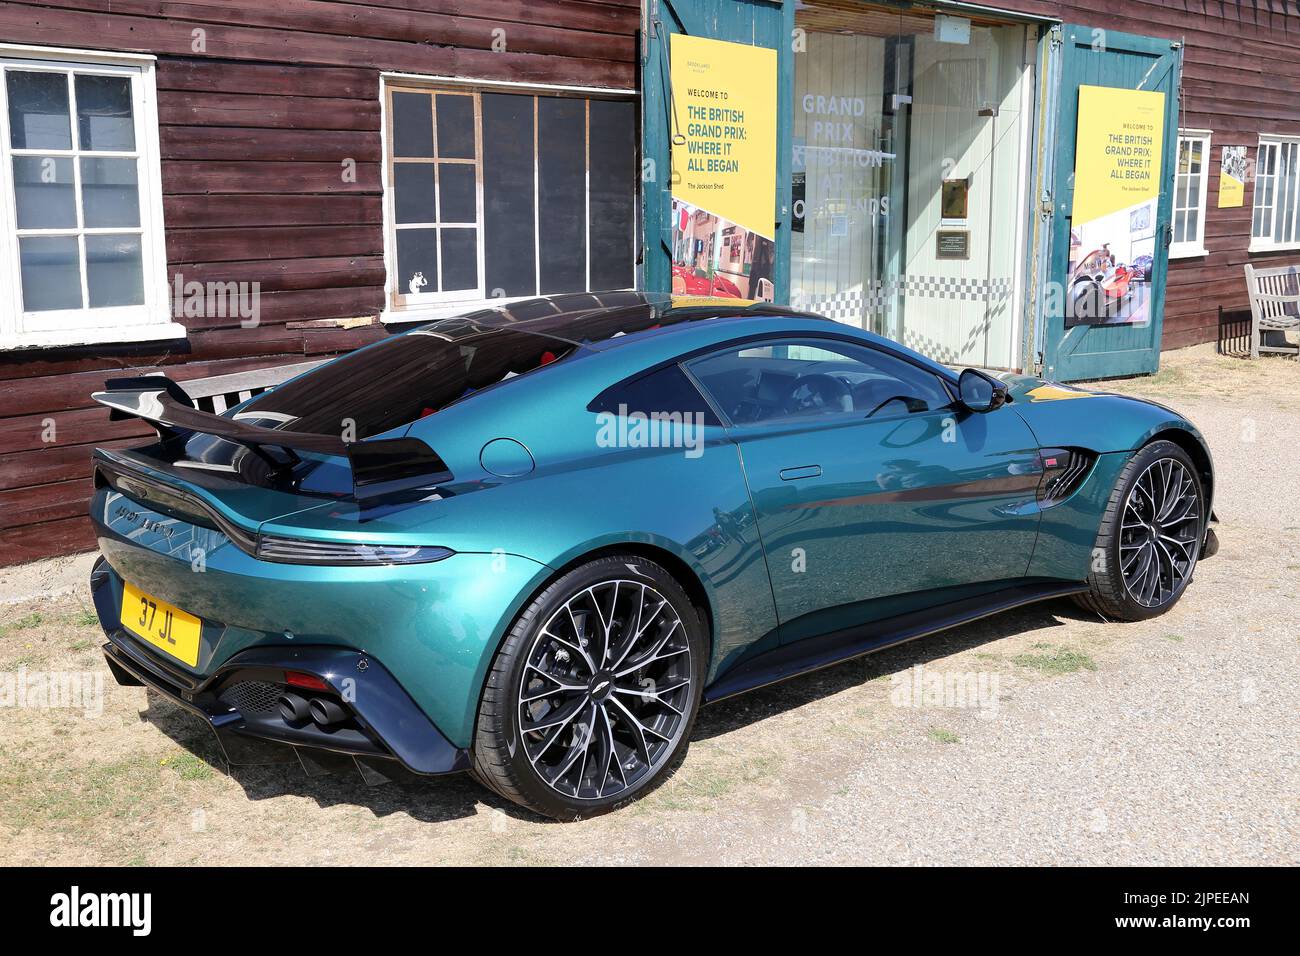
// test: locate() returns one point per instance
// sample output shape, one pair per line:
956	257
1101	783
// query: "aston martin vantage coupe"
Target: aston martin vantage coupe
531	542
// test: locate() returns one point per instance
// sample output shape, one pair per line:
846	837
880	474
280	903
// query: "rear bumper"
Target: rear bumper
385	729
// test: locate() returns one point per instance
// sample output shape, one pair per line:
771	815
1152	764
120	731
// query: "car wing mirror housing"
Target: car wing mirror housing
980	392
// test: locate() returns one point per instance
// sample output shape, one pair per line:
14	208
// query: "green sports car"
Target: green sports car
530	542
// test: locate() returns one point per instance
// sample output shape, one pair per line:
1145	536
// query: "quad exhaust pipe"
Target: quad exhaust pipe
298	710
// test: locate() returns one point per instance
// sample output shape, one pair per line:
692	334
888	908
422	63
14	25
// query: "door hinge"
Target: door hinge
1045	206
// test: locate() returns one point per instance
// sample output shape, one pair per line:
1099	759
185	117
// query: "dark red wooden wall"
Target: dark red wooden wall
254	130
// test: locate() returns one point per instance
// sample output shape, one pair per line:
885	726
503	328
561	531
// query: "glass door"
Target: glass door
910	146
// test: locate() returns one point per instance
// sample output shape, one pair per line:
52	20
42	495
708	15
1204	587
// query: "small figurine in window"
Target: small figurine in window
418	282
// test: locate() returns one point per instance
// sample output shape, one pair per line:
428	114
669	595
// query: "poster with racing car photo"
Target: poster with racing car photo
1113	224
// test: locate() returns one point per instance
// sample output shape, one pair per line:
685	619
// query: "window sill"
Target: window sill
61	338
444	310
1255	247
1191	252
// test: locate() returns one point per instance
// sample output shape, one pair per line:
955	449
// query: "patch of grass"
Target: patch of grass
25	623
84	618
1055	660
72	796
189	767
939	735
1167	377
1176	638
81	645
707	783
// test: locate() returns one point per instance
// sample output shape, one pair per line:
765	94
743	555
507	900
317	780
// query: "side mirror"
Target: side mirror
980	393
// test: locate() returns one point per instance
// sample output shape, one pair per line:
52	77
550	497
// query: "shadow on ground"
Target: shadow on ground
456	796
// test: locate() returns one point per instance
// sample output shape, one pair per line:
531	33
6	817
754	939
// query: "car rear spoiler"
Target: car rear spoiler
379	466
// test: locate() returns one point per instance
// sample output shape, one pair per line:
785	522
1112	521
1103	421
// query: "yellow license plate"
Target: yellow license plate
163	625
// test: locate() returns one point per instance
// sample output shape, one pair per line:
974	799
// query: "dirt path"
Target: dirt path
1170	741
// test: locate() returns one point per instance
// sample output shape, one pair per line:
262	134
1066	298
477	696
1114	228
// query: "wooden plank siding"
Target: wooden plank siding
1240	78
254	129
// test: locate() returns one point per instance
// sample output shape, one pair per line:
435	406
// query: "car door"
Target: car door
875	492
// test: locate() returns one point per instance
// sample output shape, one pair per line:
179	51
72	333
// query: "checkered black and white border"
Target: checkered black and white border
852	304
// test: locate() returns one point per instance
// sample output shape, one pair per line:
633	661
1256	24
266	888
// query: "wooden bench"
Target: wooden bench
220	392
1274	306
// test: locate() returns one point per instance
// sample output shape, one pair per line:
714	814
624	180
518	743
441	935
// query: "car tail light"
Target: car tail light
305	681
298	551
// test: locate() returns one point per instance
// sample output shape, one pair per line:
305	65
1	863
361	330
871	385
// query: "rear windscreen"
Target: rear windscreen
404	379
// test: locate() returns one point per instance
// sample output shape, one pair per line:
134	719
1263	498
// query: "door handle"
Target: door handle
803	471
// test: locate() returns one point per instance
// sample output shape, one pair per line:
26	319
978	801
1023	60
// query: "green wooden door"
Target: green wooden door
1094	57
768	23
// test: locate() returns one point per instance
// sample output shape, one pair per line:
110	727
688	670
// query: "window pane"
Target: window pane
508	194
413	183
110	194
613	187
51	274
417	261
104	119
404	377
1196	145
46	195
459	259
1192	229
457	192
815	380
412	124
562	186
667	391
1180	226
1183	150
455	127
38	110
1286	188
114	272
1180	193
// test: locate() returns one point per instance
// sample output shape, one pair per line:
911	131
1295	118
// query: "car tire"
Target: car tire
591	698
1150	536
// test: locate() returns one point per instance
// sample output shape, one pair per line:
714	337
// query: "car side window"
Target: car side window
813	378
664	392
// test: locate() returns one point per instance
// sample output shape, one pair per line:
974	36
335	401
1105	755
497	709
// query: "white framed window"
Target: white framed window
500	192
1275	220
1191	178
82	253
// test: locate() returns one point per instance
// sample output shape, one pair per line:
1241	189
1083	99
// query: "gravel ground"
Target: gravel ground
1171	741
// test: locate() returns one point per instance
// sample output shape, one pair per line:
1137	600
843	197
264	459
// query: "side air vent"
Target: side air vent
1064	470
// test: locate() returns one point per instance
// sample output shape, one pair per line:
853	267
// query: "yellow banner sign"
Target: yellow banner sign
724	150
1119	147
724	169
1118	160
